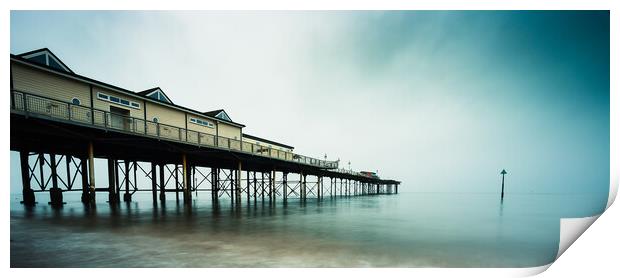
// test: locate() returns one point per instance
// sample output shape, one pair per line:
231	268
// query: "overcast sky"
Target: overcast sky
440	100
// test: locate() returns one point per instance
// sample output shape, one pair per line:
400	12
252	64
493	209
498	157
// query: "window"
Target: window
201	122
222	115
158	95
118	100
102	96
155	120
54	64
41	59
75	101
48	59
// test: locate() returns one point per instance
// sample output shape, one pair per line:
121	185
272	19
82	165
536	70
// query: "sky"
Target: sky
440	100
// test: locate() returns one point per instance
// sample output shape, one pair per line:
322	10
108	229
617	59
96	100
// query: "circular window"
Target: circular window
155	120
76	101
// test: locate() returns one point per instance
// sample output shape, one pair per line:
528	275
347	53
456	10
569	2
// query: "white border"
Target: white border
560	268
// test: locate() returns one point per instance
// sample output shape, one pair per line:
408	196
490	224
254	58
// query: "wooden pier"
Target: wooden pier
59	140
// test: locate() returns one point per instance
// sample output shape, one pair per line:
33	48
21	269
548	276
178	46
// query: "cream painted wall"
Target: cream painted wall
201	128
165	115
39	82
230	131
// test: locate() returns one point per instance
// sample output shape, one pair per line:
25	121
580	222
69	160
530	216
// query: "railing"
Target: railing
44	107
351	172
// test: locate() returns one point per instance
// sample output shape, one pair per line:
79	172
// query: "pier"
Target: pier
61	122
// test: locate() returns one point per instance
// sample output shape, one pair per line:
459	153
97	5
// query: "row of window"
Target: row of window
201	122
118	100
132	104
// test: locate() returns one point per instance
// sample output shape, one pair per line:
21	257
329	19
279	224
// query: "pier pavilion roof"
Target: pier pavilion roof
45	57
220	114
156	94
58	67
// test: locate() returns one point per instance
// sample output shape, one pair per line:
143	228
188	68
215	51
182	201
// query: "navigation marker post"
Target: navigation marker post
503	173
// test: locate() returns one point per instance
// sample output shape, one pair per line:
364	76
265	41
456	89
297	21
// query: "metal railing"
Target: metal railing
48	108
351	172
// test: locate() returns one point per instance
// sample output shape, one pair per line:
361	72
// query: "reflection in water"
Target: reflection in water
405	230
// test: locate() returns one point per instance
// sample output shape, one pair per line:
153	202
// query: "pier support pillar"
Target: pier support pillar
55	191
187	181
284	187
272	186
215	177
83	170
232	186
176	181
318	187
302	187
396	189
27	192
154	181
238	183
126	196
247	185
262	186
112	178
117	189
91	172
162	184
254	180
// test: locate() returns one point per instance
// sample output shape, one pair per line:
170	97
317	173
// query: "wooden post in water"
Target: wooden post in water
503	173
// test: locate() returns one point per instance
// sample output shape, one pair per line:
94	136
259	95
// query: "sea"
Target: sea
398	230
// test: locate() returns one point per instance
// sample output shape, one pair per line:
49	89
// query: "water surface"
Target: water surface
404	230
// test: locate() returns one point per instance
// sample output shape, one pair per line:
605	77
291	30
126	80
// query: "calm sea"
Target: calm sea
404	230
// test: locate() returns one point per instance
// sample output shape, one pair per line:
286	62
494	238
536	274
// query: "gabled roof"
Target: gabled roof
220	114
245	135
156	94
48	59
